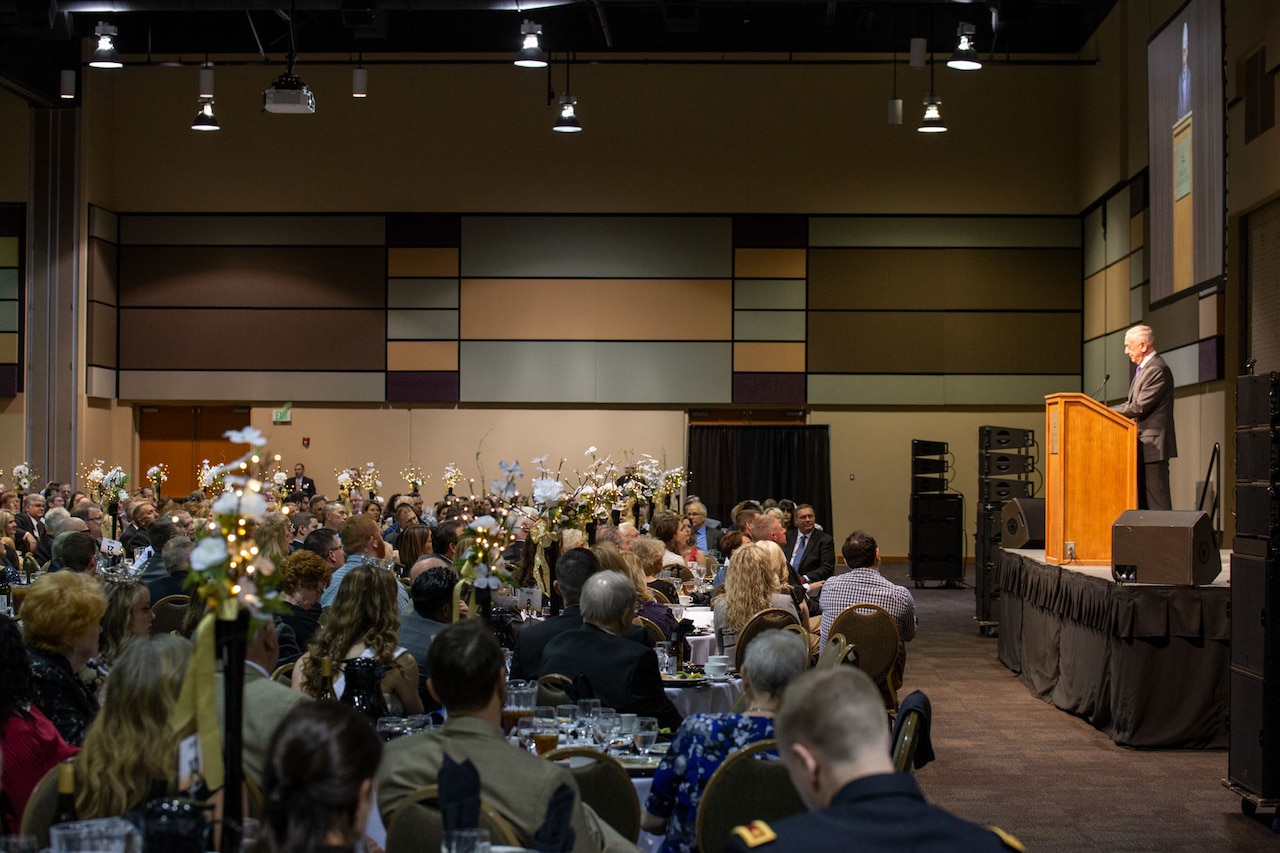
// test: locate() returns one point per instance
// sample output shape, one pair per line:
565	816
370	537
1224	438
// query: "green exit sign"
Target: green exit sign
281	416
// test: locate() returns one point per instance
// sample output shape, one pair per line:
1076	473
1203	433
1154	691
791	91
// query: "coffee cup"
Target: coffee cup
716	670
685	600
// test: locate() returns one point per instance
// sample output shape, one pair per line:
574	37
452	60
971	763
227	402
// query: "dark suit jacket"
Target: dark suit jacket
26	524
623	675
173	584
713	537
44	548
818	562
526	661
308	486
1150	403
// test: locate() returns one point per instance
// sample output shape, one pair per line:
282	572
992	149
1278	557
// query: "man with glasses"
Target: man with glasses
810	550
705	535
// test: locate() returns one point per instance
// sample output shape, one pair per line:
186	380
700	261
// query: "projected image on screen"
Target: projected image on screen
1186	143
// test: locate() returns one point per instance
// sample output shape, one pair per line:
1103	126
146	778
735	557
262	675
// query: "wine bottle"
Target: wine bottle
326	680
66	811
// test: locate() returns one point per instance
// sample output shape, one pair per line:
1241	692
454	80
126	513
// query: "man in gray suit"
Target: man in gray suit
469	677
1150	403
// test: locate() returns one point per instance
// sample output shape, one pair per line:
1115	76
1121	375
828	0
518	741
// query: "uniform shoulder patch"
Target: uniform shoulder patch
755	833
1007	840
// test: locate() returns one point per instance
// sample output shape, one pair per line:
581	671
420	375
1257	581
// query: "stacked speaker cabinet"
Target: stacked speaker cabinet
1007	512
936	517
1253	765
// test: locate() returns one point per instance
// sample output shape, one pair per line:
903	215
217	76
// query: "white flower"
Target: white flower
547	490
344	478
96	475
248	435
484	522
377	484
226	504
538	460
280	478
590	450
211	552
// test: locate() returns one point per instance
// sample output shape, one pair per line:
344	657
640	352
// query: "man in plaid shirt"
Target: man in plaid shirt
863	584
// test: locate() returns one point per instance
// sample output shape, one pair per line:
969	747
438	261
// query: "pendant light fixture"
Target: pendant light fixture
205	119
105	56
531	54
932	121
965	56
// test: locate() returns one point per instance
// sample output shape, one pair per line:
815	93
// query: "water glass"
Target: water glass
465	841
390	728
645	733
566	720
607	725
104	835
587	709
18	844
525	729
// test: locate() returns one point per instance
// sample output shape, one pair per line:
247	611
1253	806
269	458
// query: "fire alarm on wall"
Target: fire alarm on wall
306	441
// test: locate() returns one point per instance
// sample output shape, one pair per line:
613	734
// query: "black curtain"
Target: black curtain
728	464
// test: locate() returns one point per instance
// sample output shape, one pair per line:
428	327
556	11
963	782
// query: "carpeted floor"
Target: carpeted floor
1006	758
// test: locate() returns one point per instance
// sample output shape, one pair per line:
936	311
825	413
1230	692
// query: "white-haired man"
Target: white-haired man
1150	403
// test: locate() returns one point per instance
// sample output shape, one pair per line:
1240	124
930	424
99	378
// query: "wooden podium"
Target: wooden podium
1091	476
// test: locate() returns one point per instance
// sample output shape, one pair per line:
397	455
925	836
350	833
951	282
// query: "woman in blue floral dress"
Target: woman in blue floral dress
704	741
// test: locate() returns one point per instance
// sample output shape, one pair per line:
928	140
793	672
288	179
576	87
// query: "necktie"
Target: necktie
799	551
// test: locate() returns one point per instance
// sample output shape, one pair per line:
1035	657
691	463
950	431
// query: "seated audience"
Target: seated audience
74	551
56	520
833	738
432	593
667	528
273	536
10	560
303	577
571	571
413	543
611	559
363	622
752	586
731	541
650	551
361	542
468	678
29	742
303	523
318	780
704	741
128	616
159	532
620	673
176	556
61	624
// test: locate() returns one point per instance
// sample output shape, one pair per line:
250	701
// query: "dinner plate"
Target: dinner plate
684	682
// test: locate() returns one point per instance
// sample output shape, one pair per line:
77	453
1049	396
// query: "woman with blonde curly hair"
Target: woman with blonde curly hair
62	618
363	621
130	753
750	586
128	615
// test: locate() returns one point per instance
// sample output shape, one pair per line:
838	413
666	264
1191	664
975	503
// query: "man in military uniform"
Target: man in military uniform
833	739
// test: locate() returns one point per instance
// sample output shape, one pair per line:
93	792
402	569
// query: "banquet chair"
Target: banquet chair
744	788
651	628
766	620
605	786
905	741
284	673
169	612
42	808
836	652
874	645
417	824
555	689
659	597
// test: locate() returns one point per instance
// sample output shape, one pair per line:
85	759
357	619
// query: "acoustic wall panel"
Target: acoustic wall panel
422	355
597	309
1184	363
8	347
596	247
1137	268
1106	300
422	262
252	230
100	382
768	357
945	279
879	338
1010	343
216	276
1137	303
684	372
769	388
103	224
8	251
8	315
8	284
1176	324
1212	315
249	387
1138	230
422	293
422	325
11	300
768	325
1117	223
962	390
939	231
100	334
423	386
528	371
874	390
769	263
778	293
1100	357
1095	242
424	230
102	259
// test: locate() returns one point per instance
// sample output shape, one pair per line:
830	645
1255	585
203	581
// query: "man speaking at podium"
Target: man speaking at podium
1150	403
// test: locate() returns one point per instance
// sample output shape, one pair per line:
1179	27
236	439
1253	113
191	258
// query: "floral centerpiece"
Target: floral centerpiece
105	485
157	474
414	476
23	476
209	478
369	479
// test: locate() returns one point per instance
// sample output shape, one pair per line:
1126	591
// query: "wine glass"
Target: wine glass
645	733
607	726
525	729
566	720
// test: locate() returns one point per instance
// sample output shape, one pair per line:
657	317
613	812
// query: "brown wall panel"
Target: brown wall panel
940	279
943	342
102	271
422	263
199	276
235	339
769	263
100	329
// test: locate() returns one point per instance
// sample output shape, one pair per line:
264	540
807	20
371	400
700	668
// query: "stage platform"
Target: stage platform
1145	664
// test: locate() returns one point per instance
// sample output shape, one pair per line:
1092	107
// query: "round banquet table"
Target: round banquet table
713	697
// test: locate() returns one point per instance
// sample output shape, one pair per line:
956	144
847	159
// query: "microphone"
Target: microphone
1101	387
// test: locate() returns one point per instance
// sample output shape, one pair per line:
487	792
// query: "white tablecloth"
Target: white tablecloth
700	646
715	697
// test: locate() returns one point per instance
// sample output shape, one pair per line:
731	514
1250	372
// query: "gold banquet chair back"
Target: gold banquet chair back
745	788
169	612
872	635
604	785
773	618
417	825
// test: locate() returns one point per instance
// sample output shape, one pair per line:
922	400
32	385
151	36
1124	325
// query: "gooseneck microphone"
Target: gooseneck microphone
1101	387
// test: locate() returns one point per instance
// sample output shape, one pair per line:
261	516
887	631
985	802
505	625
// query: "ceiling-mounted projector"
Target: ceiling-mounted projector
288	94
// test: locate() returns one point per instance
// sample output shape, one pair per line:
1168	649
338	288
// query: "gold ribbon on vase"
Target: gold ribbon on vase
543	536
197	703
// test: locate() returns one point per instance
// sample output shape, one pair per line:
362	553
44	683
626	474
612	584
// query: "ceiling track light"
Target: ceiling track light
531	54
932	121
965	56
205	119
568	120
105	55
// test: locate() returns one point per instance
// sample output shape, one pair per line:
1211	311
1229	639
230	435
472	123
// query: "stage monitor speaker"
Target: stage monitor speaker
995	489
1254	760
1023	523
1258	400
1257	455
1002	438
1164	547
1255	616
920	447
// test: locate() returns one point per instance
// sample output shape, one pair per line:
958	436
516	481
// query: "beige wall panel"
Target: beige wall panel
103	224
422	263
253	230
1095	306
769	263
100	382
879	342
8	251
1011	343
1138	231
1212	319
246	387
875	390
422	355
100	334
8	347
781	293
1117	277
875	447
199	339
941	279
215	276
13	430
584	310
960	390
102	271
951	231
768	358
